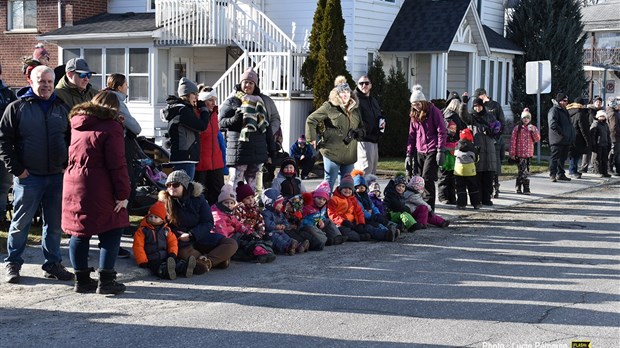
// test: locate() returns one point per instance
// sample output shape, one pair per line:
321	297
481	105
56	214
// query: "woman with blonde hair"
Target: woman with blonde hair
334	128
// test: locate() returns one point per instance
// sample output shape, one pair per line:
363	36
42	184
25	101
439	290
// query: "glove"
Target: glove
441	157
409	164
530	127
201	104
465	98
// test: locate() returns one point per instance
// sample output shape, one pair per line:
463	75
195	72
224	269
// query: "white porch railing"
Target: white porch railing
279	73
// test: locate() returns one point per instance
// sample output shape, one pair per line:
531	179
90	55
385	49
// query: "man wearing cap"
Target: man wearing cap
34	140
374	126
494	109
75	88
245	157
561	137
303	155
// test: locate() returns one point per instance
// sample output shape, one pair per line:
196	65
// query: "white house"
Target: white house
452	45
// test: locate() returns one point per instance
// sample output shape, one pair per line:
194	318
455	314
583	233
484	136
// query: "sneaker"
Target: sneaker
553	179
575	176
123	253
58	271
518	190
563	178
489	203
12	272
477	206
605	175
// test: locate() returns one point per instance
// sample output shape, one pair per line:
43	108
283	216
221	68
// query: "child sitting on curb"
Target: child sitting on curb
276	223
397	210
287	182
156	247
315	215
374	192
424	214
371	214
344	210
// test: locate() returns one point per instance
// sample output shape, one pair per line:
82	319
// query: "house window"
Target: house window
150	5
483	72
138	74
93	58
22	15
370	61
402	65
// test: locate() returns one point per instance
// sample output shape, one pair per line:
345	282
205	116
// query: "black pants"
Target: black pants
306	166
465	184
559	154
427	163
485	182
600	156
446	185
212	180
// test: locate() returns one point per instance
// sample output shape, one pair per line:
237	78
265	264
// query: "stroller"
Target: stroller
146	160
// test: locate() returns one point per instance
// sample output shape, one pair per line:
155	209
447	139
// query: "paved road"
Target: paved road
530	272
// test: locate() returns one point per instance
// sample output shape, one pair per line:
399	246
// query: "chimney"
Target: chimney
69	15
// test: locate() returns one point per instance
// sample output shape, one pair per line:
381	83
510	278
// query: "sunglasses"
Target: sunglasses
364	83
173	184
85	75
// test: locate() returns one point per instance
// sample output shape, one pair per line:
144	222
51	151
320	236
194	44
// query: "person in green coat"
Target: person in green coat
75	88
334	129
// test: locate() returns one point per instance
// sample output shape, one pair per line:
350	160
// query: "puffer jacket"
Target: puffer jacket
152	243
210	152
522	141
466	156
288	186
579	119
226	224
341	208
260	145
599	131
333	121
184	128
484	139
393	201
32	139
193	216
97	175
561	131
71	95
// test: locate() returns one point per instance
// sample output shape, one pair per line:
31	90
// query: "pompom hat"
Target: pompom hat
526	114
322	190
416	94
416	183
226	193
346	182
158	209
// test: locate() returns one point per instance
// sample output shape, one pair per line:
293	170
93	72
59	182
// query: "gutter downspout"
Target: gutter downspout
59	13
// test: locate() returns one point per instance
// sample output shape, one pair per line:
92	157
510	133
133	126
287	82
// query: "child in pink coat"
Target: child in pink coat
524	136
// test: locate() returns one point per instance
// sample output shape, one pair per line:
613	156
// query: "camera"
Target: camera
351	134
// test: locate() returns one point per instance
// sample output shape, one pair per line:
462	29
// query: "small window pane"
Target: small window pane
491	89
138	60
30	14
371	59
68	54
138	88
483	72
93	58
500	81
162	80
115	61
22	14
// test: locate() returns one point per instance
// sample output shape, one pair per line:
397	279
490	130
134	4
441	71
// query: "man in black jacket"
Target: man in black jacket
374	125
561	137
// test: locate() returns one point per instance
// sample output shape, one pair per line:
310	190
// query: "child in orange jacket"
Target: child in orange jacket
344	210
156	247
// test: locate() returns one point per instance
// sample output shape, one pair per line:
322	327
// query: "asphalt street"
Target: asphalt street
532	271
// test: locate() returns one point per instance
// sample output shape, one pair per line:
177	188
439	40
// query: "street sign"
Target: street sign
610	87
538	77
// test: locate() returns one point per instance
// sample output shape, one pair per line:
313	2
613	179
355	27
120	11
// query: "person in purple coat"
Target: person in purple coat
427	139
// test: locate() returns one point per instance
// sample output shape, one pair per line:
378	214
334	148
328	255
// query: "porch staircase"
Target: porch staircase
222	23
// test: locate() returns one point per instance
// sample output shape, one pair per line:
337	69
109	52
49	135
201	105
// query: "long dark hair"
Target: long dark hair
115	80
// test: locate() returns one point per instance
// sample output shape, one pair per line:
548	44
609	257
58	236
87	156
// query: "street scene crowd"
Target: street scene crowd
66	150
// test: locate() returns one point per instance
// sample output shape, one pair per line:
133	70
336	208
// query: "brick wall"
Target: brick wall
16	46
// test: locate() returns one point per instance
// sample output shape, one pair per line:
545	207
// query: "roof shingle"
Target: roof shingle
106	23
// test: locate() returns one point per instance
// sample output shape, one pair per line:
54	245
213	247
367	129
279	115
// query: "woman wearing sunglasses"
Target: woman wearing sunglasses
190	218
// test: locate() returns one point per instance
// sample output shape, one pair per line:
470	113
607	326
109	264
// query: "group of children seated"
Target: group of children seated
293	221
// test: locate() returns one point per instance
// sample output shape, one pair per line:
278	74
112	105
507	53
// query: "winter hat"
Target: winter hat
186	87
244	190
479	92
204	95
374	186
400	179
179	176
301	139
526	114
226	193
341	84
453	95
40	52
158	209
78	65
270	196
416	183
322	190
451	123
287	161
359	180
416	94
601	113
560	96
466	135
250	75
478	101
346	182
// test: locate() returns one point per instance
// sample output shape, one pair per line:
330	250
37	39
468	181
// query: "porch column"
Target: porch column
439	76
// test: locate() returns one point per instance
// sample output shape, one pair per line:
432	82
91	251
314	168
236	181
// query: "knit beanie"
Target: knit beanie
478	101
158	209
226	193
374	186
400	179
301	139
601	113
186	87
39	52
179	176
287	161
450	124
416	183
466	135
526	114
322	190
250	75
346	182
416	94
244	190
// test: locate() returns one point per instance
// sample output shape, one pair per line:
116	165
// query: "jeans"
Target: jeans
109	243
189	168
573	163
28	194
247	172
333	169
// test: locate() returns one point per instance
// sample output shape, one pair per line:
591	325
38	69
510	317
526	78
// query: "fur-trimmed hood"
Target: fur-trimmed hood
335	100
90	109
195	187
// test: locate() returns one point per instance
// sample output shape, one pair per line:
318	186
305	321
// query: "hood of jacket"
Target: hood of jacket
172	109
574	106
269	197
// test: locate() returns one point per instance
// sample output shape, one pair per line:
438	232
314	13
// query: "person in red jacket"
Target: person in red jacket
96	190
210	167
344	210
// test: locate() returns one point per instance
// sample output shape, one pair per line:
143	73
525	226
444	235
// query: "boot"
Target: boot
167	269
83	282
496	186
526	186
186	267
108	284
203	265
518	189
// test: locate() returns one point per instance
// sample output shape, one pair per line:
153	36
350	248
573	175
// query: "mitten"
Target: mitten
441	157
